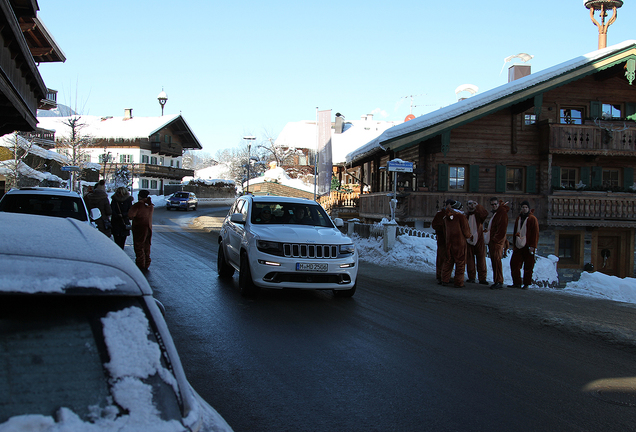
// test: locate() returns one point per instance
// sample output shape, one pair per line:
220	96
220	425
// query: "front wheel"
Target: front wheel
346	293
246	285
222	267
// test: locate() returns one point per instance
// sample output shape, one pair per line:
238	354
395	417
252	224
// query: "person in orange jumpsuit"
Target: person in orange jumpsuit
140	214
495	237
456	231
438	225
476	248
524	245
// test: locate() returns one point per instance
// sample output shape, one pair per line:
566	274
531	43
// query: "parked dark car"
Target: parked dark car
182	200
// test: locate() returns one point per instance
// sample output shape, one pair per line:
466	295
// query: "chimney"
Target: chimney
127	113
518	71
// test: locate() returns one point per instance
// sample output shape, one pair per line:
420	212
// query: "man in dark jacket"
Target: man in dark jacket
98	198
141	215
524	245
120	203
438	225
495	237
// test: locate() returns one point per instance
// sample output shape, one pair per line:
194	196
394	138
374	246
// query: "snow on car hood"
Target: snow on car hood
300	234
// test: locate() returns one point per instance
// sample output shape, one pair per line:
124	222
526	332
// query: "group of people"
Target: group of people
120	216
462	239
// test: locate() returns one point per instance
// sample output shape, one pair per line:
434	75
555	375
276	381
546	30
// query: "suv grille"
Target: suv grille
310	250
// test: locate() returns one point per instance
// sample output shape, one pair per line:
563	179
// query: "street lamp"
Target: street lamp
162	98
249	140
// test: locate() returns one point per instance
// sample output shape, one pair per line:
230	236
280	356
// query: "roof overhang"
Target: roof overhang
181	128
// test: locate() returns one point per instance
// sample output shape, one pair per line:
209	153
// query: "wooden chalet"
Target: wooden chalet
564	139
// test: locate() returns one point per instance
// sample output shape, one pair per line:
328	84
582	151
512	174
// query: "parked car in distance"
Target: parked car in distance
48	201
182	200
84	343
282	242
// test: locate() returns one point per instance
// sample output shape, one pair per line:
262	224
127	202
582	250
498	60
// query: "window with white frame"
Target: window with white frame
153	184
145	159
125	158
144	183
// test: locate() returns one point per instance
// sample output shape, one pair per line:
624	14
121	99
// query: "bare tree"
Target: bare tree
76	146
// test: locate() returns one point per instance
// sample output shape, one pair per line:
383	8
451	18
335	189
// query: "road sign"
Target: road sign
70	168
400	166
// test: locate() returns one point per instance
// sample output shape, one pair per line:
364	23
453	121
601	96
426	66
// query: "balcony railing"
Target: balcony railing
591	139
149	170
592	208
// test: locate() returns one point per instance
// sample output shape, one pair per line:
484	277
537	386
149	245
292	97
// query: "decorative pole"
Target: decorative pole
603	6
162	98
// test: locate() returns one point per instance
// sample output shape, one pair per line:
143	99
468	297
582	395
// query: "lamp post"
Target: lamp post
162	98
249	140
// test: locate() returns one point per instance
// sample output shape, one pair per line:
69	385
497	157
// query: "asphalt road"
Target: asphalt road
401	355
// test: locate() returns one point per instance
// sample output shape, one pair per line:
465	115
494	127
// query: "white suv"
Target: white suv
46	201
283	242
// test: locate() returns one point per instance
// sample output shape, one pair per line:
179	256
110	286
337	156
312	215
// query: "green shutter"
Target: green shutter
442	177
628	178
597	176
630	110
500	179
596	109
473	181
585	176
531	179
556	176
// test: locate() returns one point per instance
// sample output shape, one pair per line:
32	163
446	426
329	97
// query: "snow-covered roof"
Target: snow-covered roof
12	139
436	122
302	134
127	128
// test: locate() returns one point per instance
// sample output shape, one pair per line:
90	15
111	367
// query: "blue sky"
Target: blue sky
248	68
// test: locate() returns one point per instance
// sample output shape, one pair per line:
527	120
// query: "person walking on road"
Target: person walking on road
476	247
495	237
120	203
98	198
141	215
524	245
438	225
457	231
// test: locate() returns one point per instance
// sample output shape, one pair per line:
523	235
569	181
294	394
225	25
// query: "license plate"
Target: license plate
316	267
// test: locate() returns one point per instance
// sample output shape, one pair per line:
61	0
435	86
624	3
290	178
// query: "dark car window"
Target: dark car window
181	195
53	351
45	205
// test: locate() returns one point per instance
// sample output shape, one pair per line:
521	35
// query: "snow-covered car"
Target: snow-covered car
47	201
85	346
282	242
182	200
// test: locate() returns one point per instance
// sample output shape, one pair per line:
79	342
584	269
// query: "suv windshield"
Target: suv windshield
180	195
45	205
290	213
71	352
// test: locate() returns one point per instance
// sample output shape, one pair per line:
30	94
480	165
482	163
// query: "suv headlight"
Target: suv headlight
270	247
348	249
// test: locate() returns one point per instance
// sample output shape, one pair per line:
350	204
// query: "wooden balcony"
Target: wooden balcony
589	139
606	209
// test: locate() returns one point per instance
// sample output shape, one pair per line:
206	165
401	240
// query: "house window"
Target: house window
177	162
514	179
153	184
161	161
530	119
145	159
167	139
569	249
144	183
171	162
610	178
153	160
456	177
103	158
125	158
571	116
568	177
611	111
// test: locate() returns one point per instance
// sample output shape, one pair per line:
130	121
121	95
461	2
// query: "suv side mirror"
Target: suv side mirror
338	222
237	218
95	213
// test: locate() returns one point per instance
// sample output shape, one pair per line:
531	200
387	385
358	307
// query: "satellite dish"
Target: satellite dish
470	88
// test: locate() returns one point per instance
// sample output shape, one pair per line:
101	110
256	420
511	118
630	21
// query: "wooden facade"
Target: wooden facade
566	143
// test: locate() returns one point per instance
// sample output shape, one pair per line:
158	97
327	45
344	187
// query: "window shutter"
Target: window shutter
628	177
556	176
442	177
597	176
596	109
630	110
500	179
531	179
585	176
473	181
